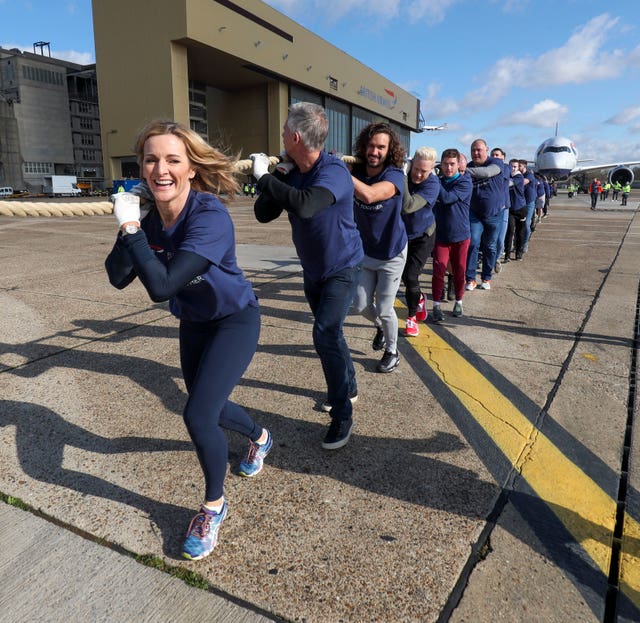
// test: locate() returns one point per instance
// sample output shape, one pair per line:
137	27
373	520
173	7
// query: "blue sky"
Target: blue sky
503	70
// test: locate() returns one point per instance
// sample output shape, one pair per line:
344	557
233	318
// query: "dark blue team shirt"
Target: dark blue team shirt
516	193
488	196
452	209
381	226
530	191
418	222
204	227
328	241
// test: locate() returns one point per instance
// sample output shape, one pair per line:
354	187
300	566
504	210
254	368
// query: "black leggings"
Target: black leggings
418	251
516	232
214	356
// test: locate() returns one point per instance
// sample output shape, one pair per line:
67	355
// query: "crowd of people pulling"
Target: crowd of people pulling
359	231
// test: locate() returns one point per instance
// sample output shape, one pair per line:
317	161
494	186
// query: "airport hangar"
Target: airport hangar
230	72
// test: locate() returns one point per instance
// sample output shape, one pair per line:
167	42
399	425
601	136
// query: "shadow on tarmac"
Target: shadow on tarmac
394	468
548	522
41	438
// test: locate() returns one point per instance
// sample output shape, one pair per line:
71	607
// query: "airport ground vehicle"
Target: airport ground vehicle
61	186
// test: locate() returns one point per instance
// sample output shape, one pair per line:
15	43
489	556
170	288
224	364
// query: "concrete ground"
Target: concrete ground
491	477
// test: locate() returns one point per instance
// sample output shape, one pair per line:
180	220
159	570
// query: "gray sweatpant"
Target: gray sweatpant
376	294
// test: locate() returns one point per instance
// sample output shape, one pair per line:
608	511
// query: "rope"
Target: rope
93	208
245	166
38	208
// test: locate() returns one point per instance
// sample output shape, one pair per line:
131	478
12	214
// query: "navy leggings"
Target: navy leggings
214	356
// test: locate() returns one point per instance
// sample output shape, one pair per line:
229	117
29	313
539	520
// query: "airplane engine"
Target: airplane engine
621	174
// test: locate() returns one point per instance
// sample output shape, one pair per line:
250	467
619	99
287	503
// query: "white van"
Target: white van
6	191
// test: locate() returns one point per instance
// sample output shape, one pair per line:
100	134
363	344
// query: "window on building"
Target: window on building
338	114
197	112
360	119
298	94
86	124
37	168
200	127
38	74
345	121
198	97
404	136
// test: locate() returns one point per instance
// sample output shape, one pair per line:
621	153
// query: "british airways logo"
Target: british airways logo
389	100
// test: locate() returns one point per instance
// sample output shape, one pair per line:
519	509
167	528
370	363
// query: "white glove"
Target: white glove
126	208
260	165
286	164
285	167
147	200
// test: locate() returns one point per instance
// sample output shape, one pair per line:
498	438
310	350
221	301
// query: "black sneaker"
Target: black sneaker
389	362
450	293
378	340
437	314
338	434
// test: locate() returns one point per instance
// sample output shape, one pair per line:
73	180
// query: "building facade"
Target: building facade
49	121
230	71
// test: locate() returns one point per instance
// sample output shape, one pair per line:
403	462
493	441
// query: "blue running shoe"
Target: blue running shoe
252	465
202	534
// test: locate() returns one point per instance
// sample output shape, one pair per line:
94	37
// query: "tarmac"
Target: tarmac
492	477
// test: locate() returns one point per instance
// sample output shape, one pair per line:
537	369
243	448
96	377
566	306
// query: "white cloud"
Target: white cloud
504	75
581	59
334	10
436	107
467	138
603	150
625	116
434	11
286	6
634	57
513	6
73	56
82	58
544	114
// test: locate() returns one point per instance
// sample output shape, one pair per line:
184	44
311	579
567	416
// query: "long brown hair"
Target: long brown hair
215	171
395	157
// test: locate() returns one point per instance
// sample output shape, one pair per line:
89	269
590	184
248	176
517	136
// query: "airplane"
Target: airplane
557	158
422	125
433	128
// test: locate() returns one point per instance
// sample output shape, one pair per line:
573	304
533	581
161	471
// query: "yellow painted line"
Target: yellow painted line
582	506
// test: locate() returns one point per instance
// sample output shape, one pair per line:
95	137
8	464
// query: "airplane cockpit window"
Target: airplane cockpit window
557	149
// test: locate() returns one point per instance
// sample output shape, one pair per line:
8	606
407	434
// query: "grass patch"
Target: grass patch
149	560
17	502
188	577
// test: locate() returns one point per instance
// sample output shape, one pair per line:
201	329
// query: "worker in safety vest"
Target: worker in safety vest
626	189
